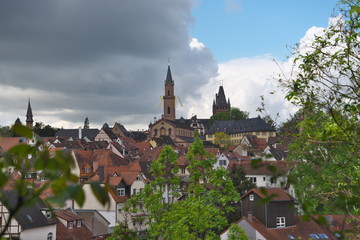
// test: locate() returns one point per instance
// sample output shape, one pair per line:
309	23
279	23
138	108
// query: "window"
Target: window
78	223
87	170
138	178
252	179
251	197
121	192
48	214
50	236
70	225
134	191
280	222
264	179
183	170
168	110
314	236
222	162
291	237
322	236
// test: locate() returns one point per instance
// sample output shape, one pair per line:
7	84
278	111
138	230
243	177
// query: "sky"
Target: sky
107	60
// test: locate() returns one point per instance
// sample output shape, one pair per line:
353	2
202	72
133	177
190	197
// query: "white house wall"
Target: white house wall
39	233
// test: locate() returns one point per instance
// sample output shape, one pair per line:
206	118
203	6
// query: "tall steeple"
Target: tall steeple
29	117
169	97
220	104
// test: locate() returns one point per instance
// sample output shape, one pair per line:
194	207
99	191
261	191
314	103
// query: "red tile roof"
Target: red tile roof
277	194
262	168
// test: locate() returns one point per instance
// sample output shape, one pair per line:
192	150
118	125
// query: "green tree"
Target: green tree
325	84
44	130
233	114
200	212
122	232
236	233
242	184
222	139
5	131
86	123
18	121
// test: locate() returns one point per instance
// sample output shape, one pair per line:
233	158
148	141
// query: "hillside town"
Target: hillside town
121	160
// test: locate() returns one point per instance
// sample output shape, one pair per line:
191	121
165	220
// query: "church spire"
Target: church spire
29	117
169	77
169	97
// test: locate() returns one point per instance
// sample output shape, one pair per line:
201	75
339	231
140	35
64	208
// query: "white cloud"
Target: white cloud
195	44
244	81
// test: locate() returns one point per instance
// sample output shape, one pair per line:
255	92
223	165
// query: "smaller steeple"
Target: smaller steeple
168	76
29	117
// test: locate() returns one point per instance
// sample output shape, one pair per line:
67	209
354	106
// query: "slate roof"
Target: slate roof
74	133
240	126
28	217
29	115
220	99
169	77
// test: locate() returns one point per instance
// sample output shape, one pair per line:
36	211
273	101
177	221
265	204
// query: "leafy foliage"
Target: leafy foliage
44	130
86	123
236	233
200	211
325	84
233	114
121	231
242	184
222	139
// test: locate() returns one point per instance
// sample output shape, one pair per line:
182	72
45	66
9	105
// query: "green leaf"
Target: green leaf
101	193
22	131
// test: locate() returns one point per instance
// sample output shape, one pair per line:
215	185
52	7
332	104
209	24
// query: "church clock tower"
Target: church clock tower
169	97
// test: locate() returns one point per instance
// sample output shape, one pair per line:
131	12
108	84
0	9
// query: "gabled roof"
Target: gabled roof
28	217
277	194
301	229
8	142
240	126
74	233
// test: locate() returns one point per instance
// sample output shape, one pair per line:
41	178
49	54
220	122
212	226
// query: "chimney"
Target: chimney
250	217
80	133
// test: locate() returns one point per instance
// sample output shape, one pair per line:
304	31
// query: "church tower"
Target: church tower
220	104
169	97
29	117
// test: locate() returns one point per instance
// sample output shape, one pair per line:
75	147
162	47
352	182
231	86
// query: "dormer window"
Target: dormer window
280	222
251	197
121	192
48	214
70	225
78	224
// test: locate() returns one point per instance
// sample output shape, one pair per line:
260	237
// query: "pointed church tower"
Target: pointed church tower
29	117
169	97
220	104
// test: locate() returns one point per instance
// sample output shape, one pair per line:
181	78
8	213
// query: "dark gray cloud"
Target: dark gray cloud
103	59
